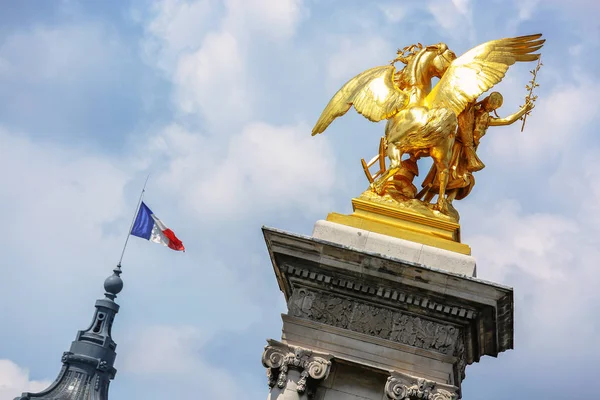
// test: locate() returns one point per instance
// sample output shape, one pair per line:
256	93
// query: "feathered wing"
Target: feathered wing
373	94
479	69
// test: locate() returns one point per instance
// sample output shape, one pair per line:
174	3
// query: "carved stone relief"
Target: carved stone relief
461	356
322	308
424	334
372	320
401	386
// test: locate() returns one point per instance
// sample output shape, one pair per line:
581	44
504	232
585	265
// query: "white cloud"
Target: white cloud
66	54
463	6
157	350
178	26
277	19
352	55
576	49
172	353
209	69
393	12
557	124
454	17
263	168
65	195
579	6
551	261
529	241
213	82
526	8
15	380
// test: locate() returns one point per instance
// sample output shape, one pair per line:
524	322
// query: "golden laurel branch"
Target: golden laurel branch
530	86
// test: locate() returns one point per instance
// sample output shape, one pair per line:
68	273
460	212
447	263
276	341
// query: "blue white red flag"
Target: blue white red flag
149	227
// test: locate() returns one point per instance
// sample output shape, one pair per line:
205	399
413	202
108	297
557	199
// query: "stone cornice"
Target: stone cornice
381	266
386	293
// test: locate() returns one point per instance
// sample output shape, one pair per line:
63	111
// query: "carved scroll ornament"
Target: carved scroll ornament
405	387
278	358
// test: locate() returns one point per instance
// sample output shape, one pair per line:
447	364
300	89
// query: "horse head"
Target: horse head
422	65
439	59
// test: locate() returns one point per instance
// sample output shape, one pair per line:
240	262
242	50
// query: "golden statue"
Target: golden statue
473	123
423	121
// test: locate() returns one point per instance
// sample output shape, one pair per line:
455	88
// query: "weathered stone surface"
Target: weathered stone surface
373	320
383	313
349	382
401	386
394	247
436	295
369	351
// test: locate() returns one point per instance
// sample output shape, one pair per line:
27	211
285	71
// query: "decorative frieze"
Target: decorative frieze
278	358
338	311
461	356
389	294
401	386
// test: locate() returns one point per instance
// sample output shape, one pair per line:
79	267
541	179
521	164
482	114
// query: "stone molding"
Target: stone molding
401	386
389	294
361	317
278	358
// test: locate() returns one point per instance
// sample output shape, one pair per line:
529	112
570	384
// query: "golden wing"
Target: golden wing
373	93
479	69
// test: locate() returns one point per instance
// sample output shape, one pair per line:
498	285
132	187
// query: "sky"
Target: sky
216	100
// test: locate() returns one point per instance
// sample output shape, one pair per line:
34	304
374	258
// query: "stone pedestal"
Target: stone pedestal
385	318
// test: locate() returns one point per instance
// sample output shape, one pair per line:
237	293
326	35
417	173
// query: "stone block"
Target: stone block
352	382
400	249
332	394
368	351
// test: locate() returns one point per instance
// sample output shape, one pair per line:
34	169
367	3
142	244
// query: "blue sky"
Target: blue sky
216	99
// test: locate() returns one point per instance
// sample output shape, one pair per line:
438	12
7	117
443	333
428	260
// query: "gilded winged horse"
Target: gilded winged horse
422	121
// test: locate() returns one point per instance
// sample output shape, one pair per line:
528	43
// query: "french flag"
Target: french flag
149	227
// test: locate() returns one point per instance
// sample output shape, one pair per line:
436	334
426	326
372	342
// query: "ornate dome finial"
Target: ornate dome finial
114	284
88	365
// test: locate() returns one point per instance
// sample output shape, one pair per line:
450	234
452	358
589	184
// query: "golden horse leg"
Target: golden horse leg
442	203
441	158
452	195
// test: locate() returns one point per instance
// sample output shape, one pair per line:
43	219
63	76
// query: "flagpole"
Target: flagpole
133	220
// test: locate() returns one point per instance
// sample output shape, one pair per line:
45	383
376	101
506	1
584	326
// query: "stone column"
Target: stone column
294	372
401	386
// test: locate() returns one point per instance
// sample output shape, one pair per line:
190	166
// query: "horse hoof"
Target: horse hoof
442	207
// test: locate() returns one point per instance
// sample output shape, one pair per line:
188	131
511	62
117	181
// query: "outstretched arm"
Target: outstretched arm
511	118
